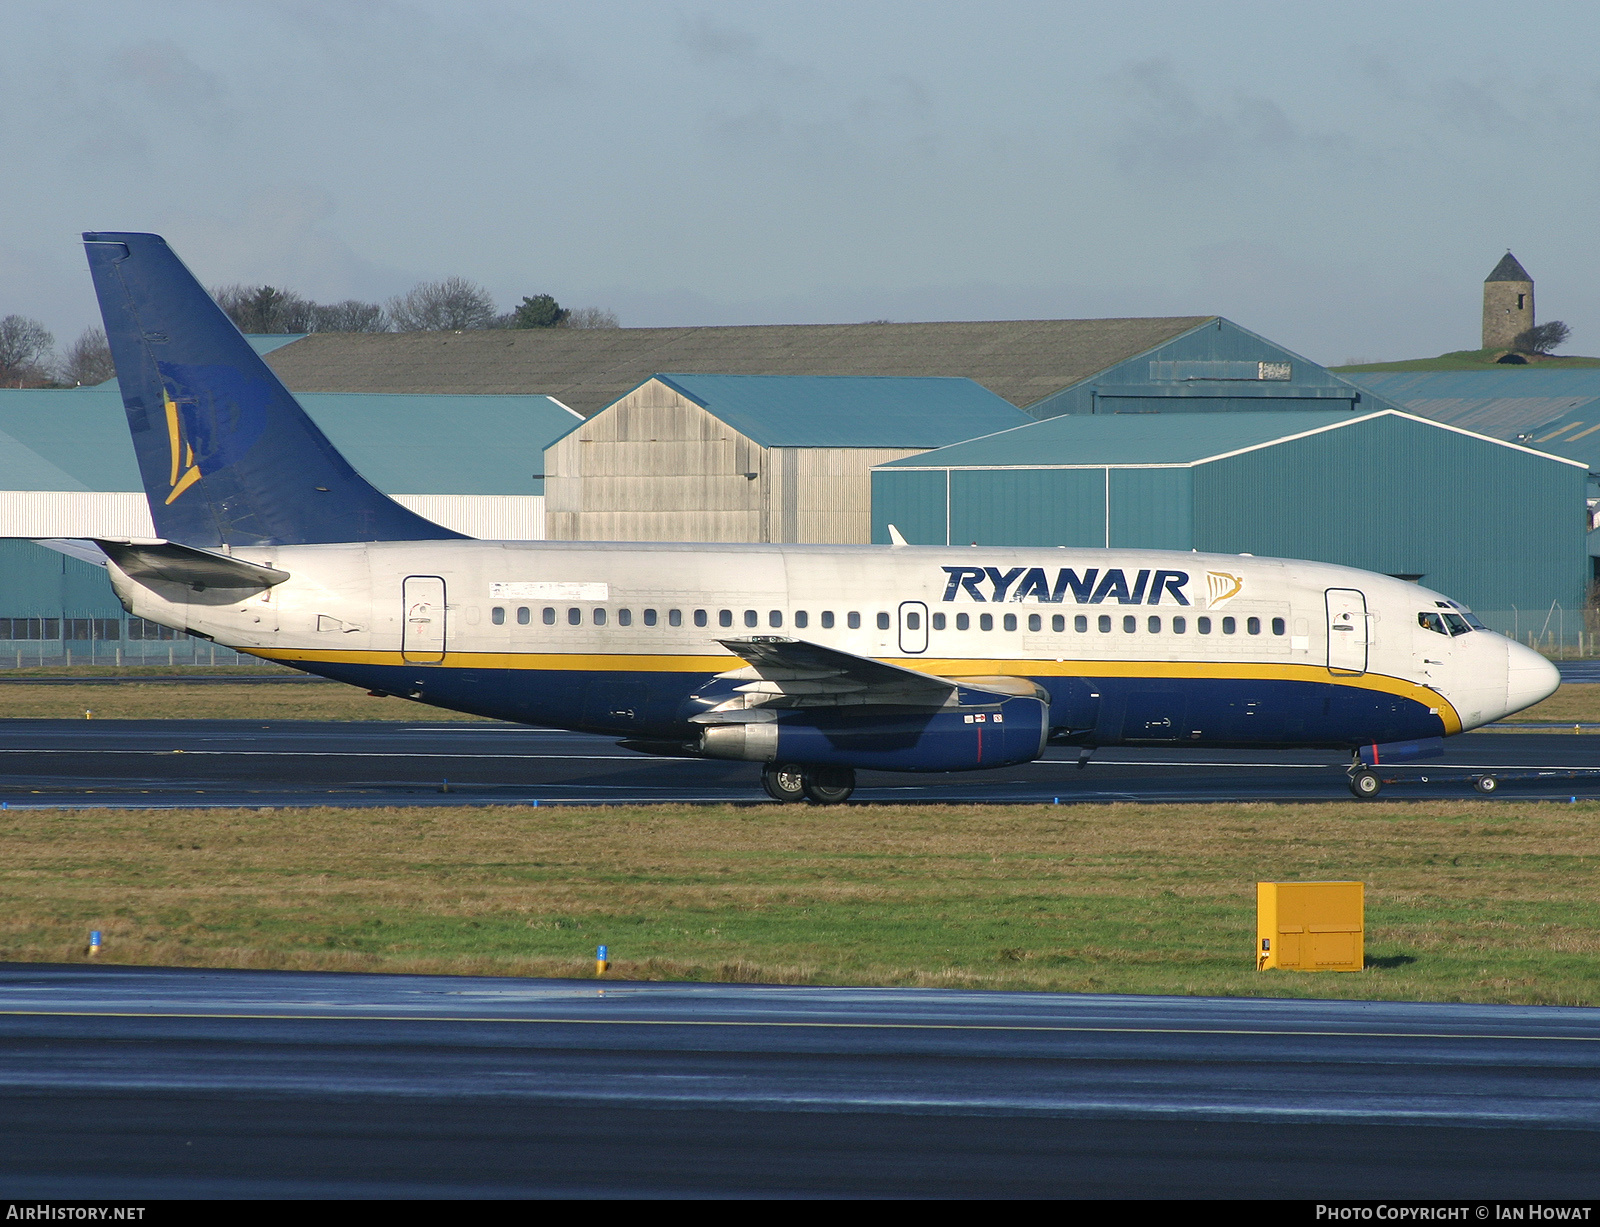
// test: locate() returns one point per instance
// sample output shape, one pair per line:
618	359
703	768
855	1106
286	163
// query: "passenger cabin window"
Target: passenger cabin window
1432	622
1035	622
1080	623
649	617
938	622
699	617
752	618
1153	626
1105	624
1229	626
827	619
1129	624
883	622
1180	626
497	615
724	617
963	622
853	621
801	619
1011	622
549	616
624	617
524	615
1203	625
1279	627
913	622
674	617
1253	625
985	622
574	617
1058	623
775	618
599	616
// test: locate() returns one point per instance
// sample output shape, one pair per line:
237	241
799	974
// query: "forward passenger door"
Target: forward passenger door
1347	631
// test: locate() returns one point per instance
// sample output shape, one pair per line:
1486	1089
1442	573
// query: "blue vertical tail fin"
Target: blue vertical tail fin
227	455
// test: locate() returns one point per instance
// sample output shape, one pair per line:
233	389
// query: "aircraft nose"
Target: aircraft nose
1530	678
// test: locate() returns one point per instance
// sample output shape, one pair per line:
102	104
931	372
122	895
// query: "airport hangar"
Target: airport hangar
1492	523
1555	410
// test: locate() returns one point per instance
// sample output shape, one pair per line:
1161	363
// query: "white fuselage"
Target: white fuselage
523	618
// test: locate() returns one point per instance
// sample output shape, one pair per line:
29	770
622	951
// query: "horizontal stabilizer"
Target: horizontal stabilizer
184	564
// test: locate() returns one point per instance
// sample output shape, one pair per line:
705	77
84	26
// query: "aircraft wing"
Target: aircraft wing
791	673
808	674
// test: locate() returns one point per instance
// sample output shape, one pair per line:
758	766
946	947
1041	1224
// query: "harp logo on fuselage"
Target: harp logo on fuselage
1093	586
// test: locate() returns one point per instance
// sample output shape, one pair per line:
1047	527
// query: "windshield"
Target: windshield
1467	616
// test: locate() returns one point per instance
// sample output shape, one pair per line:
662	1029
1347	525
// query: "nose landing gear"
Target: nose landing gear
818	785
1364	784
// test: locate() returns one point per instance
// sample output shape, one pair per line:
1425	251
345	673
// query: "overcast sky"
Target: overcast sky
1338	177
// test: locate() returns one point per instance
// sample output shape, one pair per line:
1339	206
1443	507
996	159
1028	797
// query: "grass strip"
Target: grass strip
136	700
1467	901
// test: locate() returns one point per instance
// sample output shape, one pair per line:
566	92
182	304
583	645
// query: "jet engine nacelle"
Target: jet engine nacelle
1003	734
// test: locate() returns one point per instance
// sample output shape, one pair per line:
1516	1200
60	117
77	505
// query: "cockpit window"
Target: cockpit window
1457	624
1432	622
1467	616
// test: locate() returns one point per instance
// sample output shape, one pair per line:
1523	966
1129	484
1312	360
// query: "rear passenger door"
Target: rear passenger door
422	636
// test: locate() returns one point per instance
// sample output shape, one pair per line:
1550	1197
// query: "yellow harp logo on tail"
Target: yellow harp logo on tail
185	472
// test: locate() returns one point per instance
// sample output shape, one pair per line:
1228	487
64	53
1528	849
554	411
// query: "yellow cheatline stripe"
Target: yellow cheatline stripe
955	668
818	1026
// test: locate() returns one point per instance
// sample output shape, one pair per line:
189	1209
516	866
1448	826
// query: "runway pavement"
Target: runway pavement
130	1083
260	763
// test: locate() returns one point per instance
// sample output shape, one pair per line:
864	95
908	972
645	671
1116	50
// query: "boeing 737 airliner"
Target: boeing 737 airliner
813	661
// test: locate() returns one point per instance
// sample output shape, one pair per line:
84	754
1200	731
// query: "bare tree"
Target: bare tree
349	316
88	361
1541	338
443	306
25	346
264	308
591	317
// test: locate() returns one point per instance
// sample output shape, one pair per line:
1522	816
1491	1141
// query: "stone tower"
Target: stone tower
1507	303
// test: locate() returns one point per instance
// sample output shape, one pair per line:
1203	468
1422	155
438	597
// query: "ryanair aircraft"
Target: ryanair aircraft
813	661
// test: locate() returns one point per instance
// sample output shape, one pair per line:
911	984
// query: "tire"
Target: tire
1365	785
829	785
1486	784
784	782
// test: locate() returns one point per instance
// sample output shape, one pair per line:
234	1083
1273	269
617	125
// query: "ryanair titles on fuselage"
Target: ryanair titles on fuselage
1092	587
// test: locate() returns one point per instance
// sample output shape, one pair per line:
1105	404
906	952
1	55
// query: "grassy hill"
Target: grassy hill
1472	360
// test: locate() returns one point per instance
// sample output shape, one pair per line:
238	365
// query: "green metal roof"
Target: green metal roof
848	410
77	439
1124	439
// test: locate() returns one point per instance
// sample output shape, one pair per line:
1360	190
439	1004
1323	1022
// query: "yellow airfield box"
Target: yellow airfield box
1310	926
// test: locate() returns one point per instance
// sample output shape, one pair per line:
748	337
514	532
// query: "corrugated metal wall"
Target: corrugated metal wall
655	466
74	513
1491	525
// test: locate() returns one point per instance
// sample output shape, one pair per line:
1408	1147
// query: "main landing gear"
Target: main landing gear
819	785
